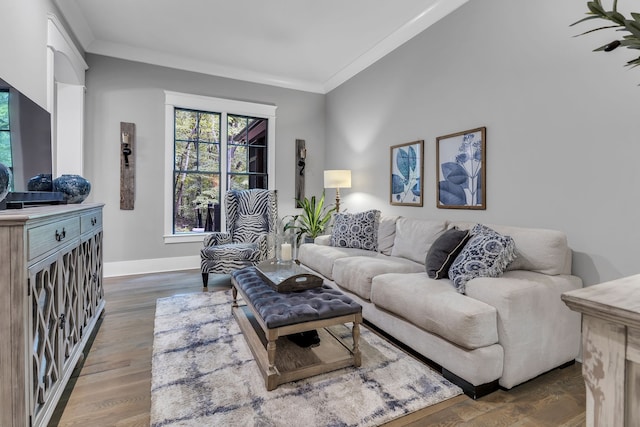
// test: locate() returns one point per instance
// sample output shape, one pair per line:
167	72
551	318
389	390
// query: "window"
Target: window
247	152
212	145
196	171
5	134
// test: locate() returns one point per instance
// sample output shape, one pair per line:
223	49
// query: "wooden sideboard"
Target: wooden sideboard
611	350
51	297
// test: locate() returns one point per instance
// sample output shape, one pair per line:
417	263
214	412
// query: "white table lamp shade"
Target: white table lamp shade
338	178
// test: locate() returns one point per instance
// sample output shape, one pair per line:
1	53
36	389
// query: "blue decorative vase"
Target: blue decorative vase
74	188
41	182
5	181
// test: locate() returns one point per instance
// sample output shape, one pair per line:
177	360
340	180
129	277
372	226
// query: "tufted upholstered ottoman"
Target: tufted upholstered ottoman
269	314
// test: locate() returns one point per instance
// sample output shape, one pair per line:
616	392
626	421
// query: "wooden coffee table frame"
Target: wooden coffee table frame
265	356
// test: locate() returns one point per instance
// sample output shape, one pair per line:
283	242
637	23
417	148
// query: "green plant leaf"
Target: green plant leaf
314	217
609	46
634	63
598	29
631	43
633	27
596	7
616	17
588	18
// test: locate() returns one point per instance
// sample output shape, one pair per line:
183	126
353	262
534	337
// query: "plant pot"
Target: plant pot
74	188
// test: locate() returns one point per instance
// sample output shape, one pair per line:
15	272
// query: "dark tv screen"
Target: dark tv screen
25	136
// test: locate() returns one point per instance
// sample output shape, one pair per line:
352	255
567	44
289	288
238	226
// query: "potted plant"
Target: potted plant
313	220
616	21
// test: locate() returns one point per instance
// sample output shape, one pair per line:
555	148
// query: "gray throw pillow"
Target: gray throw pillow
486	254
444	251
359	230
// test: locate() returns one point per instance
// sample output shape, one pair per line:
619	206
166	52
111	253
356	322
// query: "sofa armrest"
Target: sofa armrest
324	240
536	329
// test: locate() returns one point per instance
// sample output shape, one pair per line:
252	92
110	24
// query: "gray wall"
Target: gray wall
119	90
562	125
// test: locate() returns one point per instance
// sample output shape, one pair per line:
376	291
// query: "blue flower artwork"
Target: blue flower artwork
406	174
461	170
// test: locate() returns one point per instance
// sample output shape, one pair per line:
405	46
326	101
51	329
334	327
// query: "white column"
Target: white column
69	129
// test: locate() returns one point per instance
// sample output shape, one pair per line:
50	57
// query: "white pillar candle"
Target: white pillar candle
285	251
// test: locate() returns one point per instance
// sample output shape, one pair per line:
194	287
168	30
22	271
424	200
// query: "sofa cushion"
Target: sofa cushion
537	249
358	231
320	258
386	233
414	237
444	251
355	273
435	306
486	254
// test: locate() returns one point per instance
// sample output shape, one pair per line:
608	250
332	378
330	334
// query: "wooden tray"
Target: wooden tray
287	277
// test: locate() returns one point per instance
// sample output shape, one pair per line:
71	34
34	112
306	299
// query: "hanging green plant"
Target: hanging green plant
620	22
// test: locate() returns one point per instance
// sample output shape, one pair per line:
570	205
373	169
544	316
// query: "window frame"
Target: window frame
223	107
8	129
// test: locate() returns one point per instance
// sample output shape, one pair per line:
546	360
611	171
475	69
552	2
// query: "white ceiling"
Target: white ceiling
300	44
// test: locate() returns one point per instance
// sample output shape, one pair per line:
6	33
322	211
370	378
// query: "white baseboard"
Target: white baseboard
155	265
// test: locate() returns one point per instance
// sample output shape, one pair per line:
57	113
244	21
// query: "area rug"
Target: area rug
203	374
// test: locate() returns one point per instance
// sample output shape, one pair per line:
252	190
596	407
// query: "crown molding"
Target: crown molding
77	22
153	57
436	11
424	20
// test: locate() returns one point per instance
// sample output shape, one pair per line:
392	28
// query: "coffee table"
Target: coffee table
269	316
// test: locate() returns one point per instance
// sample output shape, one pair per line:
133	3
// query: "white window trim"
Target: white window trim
218	105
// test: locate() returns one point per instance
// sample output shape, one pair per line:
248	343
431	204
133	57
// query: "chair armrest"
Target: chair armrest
267	248
217	238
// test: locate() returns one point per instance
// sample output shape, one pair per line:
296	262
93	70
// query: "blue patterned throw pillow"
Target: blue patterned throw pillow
359	230
486	254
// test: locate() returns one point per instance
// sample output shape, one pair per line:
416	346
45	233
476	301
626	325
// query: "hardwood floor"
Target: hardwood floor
112	386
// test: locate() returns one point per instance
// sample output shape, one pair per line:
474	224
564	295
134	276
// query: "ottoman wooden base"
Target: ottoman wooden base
281	361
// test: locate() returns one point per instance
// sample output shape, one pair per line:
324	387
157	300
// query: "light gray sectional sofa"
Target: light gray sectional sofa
505	330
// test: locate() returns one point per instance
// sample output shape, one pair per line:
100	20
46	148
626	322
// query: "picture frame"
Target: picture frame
406	172
461	169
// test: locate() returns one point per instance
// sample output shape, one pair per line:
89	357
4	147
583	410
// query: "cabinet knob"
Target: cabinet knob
60	235
94	221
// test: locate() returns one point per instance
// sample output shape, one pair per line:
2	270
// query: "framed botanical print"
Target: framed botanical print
461	162
406	174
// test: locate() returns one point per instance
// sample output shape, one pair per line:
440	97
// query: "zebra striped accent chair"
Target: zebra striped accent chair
251	215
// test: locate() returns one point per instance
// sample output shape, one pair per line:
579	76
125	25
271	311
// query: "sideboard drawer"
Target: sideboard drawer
49	236
91	221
